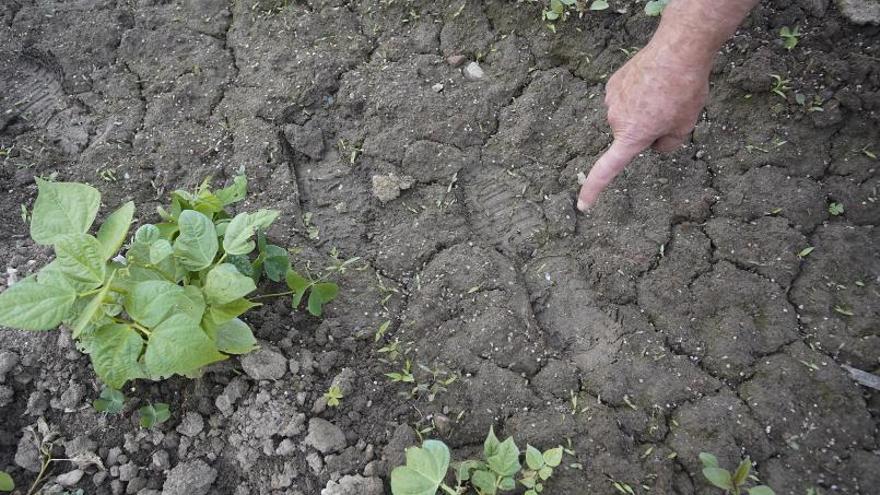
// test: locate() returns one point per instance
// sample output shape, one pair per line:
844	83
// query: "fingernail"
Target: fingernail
582	206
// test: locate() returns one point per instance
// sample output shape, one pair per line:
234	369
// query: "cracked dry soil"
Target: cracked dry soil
677	313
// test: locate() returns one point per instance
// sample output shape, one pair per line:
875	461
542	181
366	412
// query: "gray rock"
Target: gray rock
354	485
860	11
128	472
286	447
437	87
28	454
388	187
316	464
113	456
70	478
160	460
136	485
71	399
325	436
264	364
225	402
190	478
191	425
8	360
473	72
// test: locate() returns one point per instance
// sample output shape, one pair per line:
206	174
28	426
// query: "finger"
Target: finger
605	170
667	144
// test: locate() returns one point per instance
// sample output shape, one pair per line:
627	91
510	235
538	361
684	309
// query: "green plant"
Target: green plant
333	396
154	414
110	401
171	304
426	468
789	37
655	7
780	85
732	484
405	375
6	482
562	9
835	209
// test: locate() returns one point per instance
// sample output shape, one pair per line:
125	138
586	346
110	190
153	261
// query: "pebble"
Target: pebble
437	87
354	485
325	436
388	187
264	364
455	60
69	478
190	478
191	425
473	72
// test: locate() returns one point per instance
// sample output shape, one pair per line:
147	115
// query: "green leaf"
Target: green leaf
507	484
484	481
197	244
321	294
224	283
243	263
424	470
534	459
835	209
62	208
154	414
463	469
490	445
110	401
655	7
6	482
237	239
225	312
234	192
147	233
90	311
742	472
298	284
805	252
179	346
718	477
545	472
29	305
761	490
235	337
708	459
505	460
114	230
115	354
275	262
160	250
148	303
79	257
553	457
599	5
530	492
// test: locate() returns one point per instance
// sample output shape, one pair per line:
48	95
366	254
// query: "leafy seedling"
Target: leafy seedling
424	471
320	292
805	252
333	396
154	414
835	209
110	401
405	375
655	7
6	482
780	86
732	483
539	468
789	37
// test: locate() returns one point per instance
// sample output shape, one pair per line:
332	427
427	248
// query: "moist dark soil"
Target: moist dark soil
675	318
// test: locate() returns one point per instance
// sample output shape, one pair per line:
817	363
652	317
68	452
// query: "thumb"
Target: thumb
605	170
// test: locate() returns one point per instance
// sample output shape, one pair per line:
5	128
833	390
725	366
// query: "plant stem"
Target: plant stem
140	328
277	294
448	490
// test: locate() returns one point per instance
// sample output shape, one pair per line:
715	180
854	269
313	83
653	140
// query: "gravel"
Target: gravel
325	436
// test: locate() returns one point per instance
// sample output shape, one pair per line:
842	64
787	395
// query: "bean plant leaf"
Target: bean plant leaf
179	346
93	309
149	302
655	7
30	305
110	401
197	243
424	470
534	459
545	472
114	230
225	312
234	192
275	262
463	469
321	294
718	477
115	354
224	284
484	481
147	233
154	414
490	445
507	484
235	337
505	460
237	238
6	482
761	490
160	250
62	208
742	472
298	284
80	258
599	5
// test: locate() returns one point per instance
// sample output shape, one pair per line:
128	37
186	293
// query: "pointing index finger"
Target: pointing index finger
605	170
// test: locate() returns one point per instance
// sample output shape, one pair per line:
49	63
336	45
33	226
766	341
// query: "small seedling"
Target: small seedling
405	374
558	9
780	85
154	414
6	482
789	37
110	401
333	396
539	468
381	331
844	310
805	252
655	7
732	484
835	209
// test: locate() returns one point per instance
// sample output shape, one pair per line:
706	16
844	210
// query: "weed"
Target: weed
732	484
561	9
154	414
110	401
405	375
805	252
835	209
426	468
789	37
655	7
780	85
6	482
333	396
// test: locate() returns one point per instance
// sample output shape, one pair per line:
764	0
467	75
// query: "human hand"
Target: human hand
654	100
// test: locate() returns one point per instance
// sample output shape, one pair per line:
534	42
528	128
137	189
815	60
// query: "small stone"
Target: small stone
455	60
136	485
231	394
161	460
286	447
190	478
437	87
191	425
388	187
113	456
473	72
860	11
28	455
128	472
264	364
325	436
70	478
71	399
354	485
315	463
